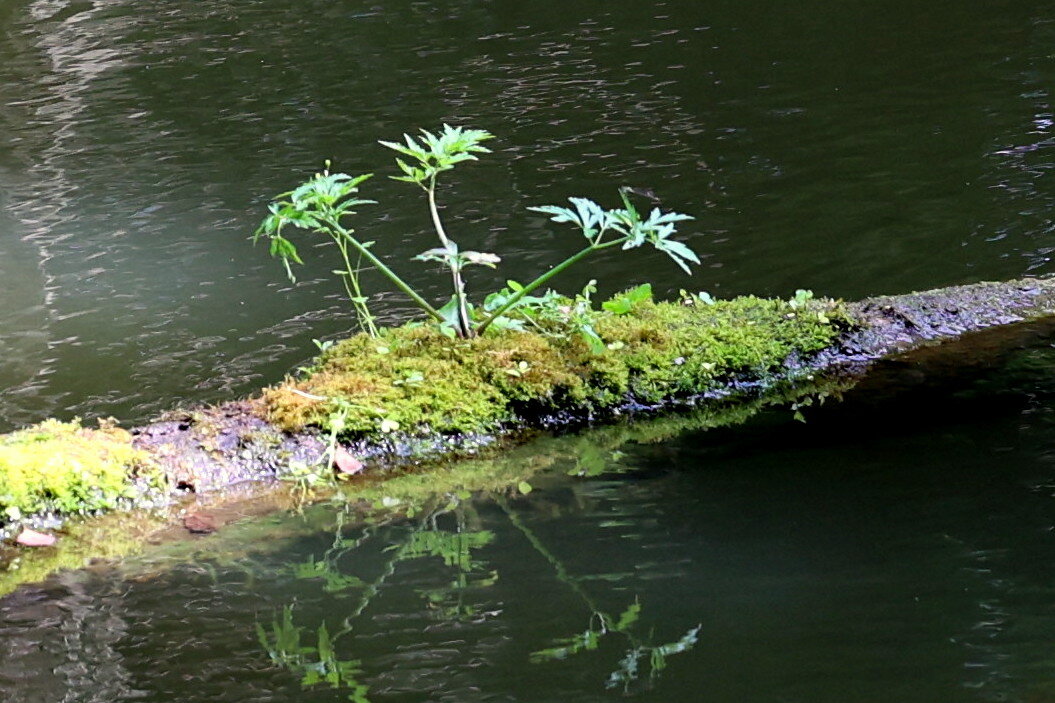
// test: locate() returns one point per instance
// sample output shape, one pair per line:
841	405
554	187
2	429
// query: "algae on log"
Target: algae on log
736	356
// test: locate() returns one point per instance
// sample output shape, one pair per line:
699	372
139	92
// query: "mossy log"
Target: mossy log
414	395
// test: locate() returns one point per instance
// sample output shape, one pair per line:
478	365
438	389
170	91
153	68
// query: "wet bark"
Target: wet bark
207	449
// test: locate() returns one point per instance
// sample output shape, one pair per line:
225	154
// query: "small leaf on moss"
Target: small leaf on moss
32	538
346	463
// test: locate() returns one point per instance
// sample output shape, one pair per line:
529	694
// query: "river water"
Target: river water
853	148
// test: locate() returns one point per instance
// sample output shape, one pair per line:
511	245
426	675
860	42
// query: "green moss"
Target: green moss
426	382
408	376
117	535
668	349
63	467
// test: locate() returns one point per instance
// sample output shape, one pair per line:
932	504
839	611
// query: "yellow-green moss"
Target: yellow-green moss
669	348
63	467
423	381
116	535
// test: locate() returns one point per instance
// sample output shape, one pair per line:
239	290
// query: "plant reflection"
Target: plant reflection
433	516
320	664
602	624
315	665
450	533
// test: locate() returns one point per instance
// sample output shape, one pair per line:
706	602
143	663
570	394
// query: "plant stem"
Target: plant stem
464	327
434	211
351	286
573	259
389	273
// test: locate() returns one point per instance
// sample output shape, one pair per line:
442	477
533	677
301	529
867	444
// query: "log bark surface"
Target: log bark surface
211	448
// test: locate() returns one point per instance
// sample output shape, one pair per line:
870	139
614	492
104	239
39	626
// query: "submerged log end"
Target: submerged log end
897	323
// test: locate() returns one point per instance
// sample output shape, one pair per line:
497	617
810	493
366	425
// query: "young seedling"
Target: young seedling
432	156
321	203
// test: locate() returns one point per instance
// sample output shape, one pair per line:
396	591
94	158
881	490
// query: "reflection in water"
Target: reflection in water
774	561
451	603
23	332
59	65
319	664
602	623
64	647
1019	178
315	664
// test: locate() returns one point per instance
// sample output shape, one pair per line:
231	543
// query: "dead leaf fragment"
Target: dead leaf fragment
200	523
346	463
32	538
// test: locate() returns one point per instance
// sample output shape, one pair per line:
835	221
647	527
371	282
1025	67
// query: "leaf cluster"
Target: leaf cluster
316	205
632	228
432	154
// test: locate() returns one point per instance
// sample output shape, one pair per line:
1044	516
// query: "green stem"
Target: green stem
351	286
435	213
465	328
575	258
366	310
389	274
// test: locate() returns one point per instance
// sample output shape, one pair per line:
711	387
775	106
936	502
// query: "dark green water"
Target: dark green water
851	148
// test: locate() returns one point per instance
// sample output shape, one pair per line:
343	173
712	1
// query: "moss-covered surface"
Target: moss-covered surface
255	519
66	468
443	398
419	381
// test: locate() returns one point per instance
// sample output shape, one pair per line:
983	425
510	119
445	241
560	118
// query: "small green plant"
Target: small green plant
603	229
319	205
550	314
323	201
801	298
432	156
624	303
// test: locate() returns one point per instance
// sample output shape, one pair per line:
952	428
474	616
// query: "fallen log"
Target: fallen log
824	346
205	449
